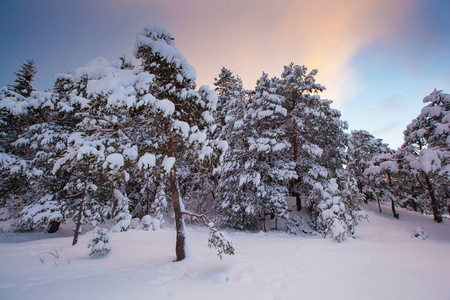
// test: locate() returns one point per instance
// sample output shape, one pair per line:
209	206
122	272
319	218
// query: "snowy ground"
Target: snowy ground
385	261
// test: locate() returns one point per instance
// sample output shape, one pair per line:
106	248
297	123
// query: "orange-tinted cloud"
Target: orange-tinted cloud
254	36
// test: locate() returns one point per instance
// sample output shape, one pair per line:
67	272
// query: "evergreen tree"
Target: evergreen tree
24	78
228	87
35	130
427	149
363	148
236	191
101	243
382	176
85	161
318	148
268	148
150	119
298	87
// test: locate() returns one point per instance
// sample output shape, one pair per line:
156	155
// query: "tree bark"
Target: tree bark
379	205
298	201
394	212
81	209
179	223
437	216
78	224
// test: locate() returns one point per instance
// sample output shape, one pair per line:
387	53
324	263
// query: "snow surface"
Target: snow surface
385	261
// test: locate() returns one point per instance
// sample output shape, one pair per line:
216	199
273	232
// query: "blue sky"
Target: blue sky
377	58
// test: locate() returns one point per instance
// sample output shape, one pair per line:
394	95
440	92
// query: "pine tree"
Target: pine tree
121	213
24	78
337	211
362	150
151	119
236	191
84	163
35	130
100	244
268	149
382	173
318	148
228	87
298	87
427	149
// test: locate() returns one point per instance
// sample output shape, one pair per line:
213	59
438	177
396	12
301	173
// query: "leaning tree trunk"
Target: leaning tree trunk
394	212
379	204
437	215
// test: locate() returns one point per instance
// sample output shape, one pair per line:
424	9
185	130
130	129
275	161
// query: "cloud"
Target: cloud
250	37
254	36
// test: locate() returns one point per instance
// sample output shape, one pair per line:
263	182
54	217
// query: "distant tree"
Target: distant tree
228	88
382	174
24	78
363	149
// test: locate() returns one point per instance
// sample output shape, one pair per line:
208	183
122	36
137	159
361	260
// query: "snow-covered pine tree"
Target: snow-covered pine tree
382	174
227	88
24	78
236	190
427	149
362	149
153	117
84	163
411	195
319	142
268	150
183	108
35	130
121	213
100	244
199	184
13	167
298	87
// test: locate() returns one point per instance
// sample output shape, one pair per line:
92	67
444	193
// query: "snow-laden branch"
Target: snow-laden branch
217	238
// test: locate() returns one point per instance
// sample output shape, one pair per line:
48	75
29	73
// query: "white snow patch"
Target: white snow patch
168	163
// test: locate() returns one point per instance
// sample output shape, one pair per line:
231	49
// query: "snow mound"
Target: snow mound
419	232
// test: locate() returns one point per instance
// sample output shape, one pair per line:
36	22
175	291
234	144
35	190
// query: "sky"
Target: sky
377	58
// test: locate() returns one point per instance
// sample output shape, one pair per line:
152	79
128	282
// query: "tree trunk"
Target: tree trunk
298	201
264	223
148	202
179	223
394	212
81	209
78	224
379	204
437	216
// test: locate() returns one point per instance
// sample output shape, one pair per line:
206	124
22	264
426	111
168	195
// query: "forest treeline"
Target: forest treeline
114	141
